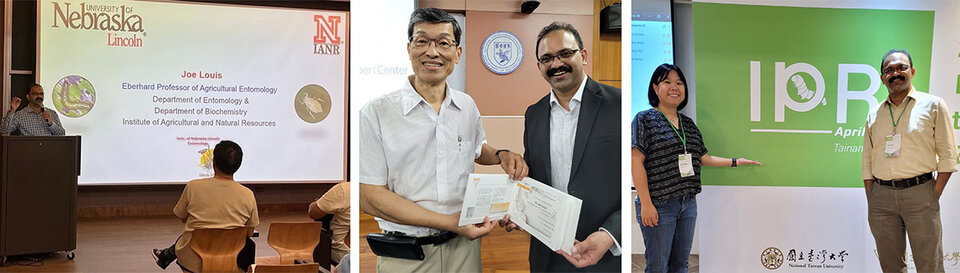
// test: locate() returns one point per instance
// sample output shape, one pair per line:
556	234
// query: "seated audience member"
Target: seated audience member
215	202
337	202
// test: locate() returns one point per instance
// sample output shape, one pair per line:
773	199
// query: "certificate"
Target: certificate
548	214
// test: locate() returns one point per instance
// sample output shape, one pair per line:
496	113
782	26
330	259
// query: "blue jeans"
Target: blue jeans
668	244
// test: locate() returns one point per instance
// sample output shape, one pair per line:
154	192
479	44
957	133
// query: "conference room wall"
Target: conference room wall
510	94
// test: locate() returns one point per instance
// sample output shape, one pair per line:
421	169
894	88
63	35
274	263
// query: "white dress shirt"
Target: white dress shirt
420	155
563	132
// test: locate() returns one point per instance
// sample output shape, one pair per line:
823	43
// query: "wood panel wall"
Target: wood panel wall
151	200
607	57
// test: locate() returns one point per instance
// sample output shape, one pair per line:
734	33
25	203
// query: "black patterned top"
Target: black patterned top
653	135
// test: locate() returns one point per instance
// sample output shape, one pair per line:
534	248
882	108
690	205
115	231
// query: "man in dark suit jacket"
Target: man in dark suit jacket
572	142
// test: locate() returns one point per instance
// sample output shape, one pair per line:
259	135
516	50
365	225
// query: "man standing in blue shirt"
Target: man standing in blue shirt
33	120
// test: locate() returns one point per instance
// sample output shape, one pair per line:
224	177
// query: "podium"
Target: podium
38	194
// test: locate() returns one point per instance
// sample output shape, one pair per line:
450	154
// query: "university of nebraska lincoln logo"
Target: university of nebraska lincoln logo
327	39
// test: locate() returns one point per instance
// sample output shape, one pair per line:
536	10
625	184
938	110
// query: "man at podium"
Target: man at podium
33	120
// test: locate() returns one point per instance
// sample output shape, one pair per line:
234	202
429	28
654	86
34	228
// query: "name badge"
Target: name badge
686	165
892	148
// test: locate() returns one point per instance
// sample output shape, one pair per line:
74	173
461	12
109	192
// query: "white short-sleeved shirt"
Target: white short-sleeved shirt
420	155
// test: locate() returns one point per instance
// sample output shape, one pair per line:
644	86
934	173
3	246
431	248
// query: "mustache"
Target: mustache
564	68
897	77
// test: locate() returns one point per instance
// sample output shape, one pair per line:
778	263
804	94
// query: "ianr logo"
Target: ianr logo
327	29
327	39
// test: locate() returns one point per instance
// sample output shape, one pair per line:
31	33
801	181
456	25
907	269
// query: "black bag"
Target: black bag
395	246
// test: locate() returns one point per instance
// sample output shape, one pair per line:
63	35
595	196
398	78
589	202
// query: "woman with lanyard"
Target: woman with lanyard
667	154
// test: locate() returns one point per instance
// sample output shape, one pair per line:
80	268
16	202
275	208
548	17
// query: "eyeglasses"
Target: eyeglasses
563	55
421	43
901	68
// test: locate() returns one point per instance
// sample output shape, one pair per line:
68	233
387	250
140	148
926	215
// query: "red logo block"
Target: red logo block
327	29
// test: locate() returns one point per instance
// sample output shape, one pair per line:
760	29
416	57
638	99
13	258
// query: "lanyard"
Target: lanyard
682	135
898	117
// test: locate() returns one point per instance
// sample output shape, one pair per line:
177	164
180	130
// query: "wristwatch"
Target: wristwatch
734	164
497	154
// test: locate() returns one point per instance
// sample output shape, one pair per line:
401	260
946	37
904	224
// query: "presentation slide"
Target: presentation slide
152	87
651	31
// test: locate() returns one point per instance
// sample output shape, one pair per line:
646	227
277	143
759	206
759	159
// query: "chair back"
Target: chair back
218	248
294	240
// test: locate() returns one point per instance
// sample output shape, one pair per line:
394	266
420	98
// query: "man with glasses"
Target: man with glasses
908	138
572	142
33	120
417	148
